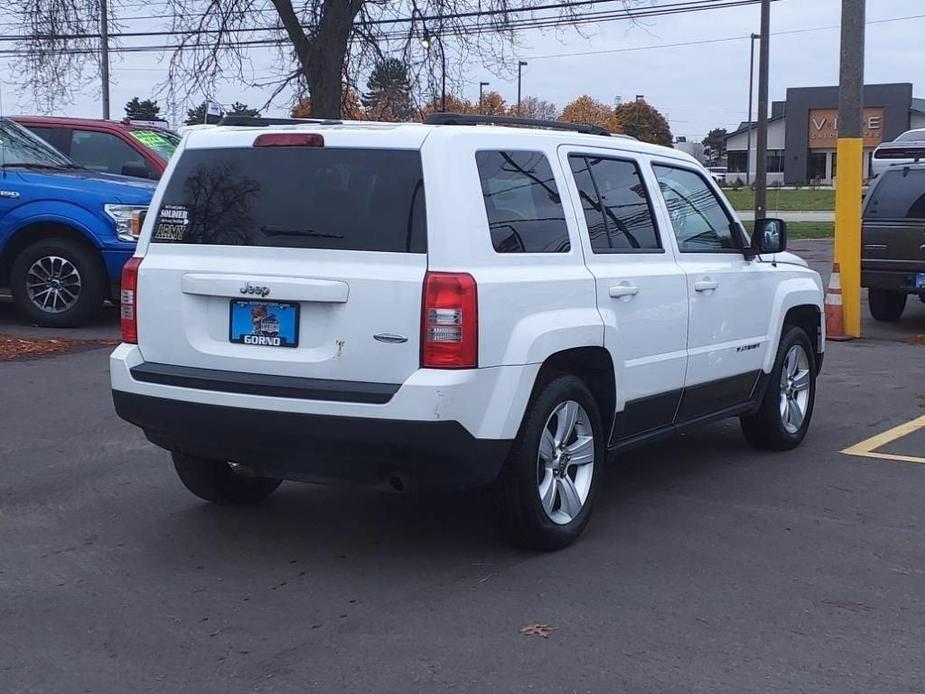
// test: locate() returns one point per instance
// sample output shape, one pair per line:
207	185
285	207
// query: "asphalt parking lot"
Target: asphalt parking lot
708	567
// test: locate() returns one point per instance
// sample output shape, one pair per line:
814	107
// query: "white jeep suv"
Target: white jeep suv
457	303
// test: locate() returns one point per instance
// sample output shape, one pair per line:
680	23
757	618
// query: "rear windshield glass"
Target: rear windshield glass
296	197
900	195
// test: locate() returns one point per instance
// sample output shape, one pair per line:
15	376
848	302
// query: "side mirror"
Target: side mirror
136	171
770	236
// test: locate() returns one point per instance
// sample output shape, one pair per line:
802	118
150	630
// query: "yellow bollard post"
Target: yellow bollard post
848	192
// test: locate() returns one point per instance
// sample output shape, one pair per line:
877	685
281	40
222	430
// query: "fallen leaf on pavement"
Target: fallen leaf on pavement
543	630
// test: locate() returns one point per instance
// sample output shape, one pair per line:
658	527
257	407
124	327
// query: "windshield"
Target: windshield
163	142
19	147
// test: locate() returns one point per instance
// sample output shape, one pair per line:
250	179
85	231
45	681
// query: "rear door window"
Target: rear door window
899	195
296	197
522	202
616	205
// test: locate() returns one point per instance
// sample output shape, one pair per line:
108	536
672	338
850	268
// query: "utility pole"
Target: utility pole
761	160
104	55
482	86
520	65
751	125
850	179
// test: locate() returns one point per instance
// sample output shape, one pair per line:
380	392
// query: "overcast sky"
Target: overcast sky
698	87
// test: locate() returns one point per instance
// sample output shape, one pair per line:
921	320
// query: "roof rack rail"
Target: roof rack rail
480	119
258	122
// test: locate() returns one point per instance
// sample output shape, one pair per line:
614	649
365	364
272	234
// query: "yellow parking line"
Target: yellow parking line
868	447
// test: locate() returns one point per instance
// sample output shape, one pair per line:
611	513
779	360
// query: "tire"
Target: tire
529	470
769	428
886	305
220	482
64	275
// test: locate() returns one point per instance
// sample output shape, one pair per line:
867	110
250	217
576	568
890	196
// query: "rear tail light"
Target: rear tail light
130	301
449	322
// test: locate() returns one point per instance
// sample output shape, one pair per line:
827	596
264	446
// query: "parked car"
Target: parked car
905	149
719	174
65	232
140	149
456	305
892	250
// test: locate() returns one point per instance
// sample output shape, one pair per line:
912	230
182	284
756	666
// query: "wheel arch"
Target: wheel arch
809	318
28	234
594	366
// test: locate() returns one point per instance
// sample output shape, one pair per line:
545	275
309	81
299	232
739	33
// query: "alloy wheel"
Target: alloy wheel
53	284
794	389
565	462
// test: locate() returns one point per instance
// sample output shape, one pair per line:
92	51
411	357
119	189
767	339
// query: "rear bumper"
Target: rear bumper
439	427
895	280
319	448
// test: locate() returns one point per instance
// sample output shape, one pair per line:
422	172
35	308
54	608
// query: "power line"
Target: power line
623	13
711	41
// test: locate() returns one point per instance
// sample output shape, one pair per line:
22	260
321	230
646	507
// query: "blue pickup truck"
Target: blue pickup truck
65	231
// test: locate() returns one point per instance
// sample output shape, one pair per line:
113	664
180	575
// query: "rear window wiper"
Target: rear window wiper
292	231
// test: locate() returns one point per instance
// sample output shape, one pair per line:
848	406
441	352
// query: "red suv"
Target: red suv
130	148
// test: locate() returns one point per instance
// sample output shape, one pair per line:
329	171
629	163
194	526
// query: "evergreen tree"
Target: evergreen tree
137	109
388	92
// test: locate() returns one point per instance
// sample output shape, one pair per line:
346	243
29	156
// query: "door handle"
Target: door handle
624	290
705	285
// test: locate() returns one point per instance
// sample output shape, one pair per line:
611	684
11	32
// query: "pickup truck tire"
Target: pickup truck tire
886	305
220	482
547	487
65	276
786	408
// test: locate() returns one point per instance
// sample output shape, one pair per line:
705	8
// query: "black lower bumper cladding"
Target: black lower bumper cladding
319	448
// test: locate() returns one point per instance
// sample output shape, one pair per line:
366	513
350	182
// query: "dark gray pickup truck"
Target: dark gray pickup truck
893	240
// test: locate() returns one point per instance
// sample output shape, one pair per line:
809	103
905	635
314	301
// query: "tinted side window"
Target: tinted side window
616	205
699	221
900	195
107	153
522	202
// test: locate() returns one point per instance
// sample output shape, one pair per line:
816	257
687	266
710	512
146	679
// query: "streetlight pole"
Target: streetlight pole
751	125
850	180
482	86
104	56
764	55
520	65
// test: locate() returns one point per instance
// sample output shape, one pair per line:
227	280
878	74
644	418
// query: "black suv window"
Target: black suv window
522	202
899	195
299	197
616	205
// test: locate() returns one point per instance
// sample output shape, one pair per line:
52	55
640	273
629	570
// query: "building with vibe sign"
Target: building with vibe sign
803	132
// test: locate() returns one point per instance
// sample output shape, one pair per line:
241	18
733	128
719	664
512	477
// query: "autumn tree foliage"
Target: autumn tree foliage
351	108
585	109
642	121
534	107
492	104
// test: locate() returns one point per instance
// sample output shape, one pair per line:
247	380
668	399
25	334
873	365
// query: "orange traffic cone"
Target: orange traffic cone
834	311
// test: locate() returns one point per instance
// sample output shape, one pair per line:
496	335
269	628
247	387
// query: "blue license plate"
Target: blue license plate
920	280
266	323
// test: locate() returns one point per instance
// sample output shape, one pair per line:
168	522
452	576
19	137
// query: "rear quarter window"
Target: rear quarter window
296	197
522	202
